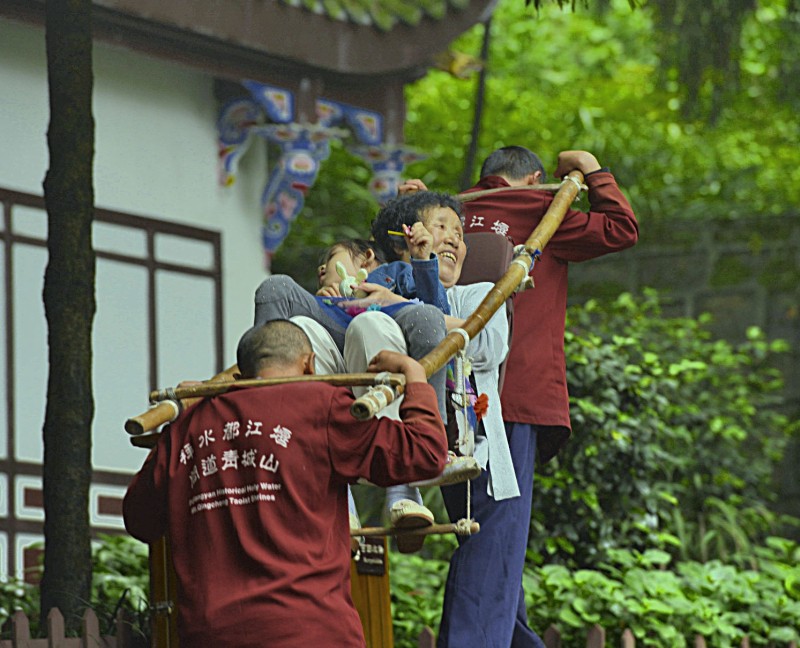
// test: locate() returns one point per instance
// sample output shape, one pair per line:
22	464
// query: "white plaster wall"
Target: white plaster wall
155	156
155	152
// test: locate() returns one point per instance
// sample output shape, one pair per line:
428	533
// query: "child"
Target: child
355	256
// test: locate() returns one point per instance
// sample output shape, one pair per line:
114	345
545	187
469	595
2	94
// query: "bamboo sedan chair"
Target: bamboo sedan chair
516	278
487	259
141	427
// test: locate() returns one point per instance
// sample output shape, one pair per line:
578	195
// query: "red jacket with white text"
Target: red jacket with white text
535	387
251	487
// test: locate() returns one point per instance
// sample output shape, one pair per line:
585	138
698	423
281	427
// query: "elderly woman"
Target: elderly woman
372	331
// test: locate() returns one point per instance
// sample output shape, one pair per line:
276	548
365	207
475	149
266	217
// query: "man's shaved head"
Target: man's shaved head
274	344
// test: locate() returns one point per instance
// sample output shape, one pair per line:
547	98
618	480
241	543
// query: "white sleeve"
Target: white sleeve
489	348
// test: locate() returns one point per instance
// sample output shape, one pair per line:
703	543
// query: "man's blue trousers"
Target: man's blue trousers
484	603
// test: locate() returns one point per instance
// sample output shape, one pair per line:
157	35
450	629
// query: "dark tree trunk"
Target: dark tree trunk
480	93
69	305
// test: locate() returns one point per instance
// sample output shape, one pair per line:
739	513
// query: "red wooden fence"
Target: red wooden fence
91	637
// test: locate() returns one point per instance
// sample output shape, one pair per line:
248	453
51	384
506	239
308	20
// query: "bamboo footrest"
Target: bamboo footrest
463	527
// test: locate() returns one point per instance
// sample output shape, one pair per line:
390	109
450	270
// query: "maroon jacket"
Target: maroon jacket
252	488
535	387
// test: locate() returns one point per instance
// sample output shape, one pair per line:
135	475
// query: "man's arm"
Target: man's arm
609	226
383	450
144	507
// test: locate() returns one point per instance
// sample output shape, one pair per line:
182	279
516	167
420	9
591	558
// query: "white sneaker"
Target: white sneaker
407	514
457	470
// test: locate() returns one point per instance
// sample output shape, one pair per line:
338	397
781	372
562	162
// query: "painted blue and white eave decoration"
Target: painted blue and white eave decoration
269	112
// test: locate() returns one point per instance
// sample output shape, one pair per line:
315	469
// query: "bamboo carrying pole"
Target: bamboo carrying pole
170	402
168	410
216	388
474	195
520	267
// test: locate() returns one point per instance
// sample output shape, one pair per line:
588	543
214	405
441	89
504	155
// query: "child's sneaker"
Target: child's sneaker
407	514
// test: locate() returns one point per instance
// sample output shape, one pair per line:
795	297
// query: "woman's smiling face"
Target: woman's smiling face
448	242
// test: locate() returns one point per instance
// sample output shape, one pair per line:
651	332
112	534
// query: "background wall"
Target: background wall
156	152
156	158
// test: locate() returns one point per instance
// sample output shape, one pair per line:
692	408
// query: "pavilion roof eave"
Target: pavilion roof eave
290	34
269	41
233	62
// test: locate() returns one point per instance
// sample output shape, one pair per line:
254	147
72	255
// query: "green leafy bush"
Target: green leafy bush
120	580
664	603
17	595
676	437
417	587
656	516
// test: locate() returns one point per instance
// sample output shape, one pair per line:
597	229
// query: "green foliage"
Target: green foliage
417	586
666	604
708	68
17	595
594	80
657	515
663	602
675	440
120	580
599	78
